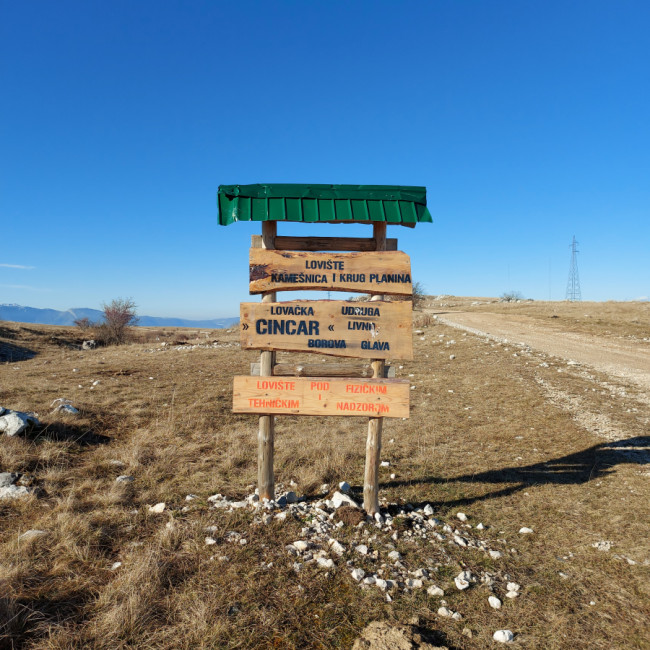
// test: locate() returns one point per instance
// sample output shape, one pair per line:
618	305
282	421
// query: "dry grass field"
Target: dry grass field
509	436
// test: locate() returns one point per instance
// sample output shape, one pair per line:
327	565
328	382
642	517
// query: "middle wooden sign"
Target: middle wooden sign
382	272
342	328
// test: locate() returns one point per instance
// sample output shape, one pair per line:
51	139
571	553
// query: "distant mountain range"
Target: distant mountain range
20	314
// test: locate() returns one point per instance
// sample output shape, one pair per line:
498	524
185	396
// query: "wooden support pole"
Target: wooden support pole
373	443
266	435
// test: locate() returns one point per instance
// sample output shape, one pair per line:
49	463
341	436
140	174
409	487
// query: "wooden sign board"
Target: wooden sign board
385	272
370	330
321	396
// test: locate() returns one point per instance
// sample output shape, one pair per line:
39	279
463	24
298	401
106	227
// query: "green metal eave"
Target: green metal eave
394	204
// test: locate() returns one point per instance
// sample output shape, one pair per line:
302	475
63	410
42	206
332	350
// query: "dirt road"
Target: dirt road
620	358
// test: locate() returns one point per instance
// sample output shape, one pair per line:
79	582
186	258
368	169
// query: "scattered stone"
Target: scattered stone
512	594
30	535
428	510
603	545
301	545
210	541
337	547
445	612
8	479
358	574
191	497
344	487
115	565
125	478
89	345
463	579
394	555
15	492
158	508
526	531
462	516
384	463
513	586
325	562
435	591
480	527
362	549
452	357
495	603
503	636
13	423
339	499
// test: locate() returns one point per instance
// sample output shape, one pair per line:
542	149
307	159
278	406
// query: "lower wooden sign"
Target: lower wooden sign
387	398
367	330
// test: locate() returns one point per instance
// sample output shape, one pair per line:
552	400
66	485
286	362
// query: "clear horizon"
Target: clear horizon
526	122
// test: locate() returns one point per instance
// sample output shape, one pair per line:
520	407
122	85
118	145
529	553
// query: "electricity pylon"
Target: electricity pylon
573	285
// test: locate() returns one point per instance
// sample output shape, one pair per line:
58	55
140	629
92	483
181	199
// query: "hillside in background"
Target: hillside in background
20	314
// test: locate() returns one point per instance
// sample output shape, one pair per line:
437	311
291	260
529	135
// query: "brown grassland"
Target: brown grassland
487	435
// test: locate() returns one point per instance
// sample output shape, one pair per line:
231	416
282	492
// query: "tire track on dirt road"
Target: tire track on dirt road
624	359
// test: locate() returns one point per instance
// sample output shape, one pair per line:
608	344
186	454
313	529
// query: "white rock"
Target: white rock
14	492
339	499
124	478
281	516
301	545
115	565
462	516
495	555
503	636
344	487
512	594
452	357
379	518
210	541
435	591
444	611
325	562
191	497
603	545
428	510
158	508
32	534
337	547
461	541
495	603
358	574
13	423
480	527
370	580
513	586
382	584
384	463
525	530
394	555
463	579
413	583
362	549
457	616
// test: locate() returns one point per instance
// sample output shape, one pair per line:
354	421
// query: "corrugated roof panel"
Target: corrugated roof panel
395	204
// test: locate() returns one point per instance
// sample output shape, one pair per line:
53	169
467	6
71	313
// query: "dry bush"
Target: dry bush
119	317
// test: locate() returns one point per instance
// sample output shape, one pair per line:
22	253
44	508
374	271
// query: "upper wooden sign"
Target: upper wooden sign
321	396
387	272
370	330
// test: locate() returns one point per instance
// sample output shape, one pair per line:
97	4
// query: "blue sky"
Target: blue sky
528	122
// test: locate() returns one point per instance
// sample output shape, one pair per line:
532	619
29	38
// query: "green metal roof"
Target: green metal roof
394	204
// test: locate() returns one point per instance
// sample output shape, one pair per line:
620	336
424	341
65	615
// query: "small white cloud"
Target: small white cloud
23	287
17	266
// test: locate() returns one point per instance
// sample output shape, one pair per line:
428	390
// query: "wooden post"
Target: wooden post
265	437
373	444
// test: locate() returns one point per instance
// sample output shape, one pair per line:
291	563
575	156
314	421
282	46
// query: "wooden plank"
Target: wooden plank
322	370
342	328
322	396
314	244
388	272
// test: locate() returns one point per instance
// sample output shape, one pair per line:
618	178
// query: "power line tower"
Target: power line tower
573	285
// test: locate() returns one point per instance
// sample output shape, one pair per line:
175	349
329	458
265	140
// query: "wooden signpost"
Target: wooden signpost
386	272
375	330
322	396
365	330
